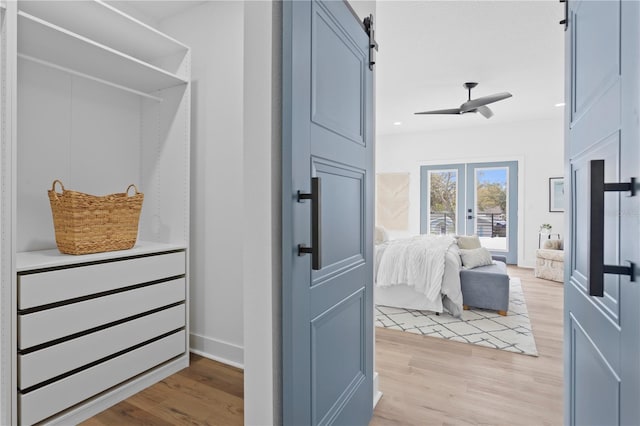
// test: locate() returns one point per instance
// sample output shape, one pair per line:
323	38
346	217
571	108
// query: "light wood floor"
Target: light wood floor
425	380
205	393
431	381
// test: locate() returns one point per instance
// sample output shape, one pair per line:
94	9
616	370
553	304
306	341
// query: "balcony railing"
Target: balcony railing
487	224
491	225
441	223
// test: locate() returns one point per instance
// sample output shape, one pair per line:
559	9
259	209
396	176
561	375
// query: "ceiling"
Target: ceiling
428	49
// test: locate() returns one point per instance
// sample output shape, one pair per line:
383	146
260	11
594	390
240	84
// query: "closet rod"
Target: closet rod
89	77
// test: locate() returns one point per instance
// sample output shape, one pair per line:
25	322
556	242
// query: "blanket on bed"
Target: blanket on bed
418	262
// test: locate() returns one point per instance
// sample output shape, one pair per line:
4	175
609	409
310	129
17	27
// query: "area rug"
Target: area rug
477	326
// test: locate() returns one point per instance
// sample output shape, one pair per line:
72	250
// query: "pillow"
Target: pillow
468	242
380	235
554	245
475	257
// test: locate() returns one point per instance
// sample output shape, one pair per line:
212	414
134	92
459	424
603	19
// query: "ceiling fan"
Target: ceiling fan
472	105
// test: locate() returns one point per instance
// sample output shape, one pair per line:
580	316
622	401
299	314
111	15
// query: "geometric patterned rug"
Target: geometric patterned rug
477	326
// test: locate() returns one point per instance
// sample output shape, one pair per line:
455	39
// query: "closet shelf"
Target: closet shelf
41	259
49	43
106	25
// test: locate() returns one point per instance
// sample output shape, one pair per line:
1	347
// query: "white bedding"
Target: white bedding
422	273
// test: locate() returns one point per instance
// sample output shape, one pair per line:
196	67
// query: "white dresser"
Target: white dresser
91	323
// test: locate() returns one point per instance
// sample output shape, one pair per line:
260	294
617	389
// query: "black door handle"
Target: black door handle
315	196
597	268
565	21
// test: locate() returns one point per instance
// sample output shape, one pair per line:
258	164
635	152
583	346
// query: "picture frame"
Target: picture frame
556	194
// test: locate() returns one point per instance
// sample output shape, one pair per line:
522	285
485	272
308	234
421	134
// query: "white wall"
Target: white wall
235	250
537	145
364	8
215	33
262	213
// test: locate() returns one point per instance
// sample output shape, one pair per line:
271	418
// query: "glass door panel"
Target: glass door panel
443	189
442	198
490	220
492	191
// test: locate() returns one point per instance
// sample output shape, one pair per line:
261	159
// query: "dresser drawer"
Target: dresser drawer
42	288
48	400
62	321
41	365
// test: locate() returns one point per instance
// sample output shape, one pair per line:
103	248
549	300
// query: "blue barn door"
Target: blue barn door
602	301
327	214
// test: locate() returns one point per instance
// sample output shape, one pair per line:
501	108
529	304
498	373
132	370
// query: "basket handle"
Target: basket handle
128	188
53	188
53	185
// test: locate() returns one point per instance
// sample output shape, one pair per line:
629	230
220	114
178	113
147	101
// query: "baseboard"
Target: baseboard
110	398
376	389
217	350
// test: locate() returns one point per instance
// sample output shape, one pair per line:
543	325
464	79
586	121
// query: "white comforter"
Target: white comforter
429	265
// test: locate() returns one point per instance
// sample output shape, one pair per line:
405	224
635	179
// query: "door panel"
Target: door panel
342	217
327	347
337	78
597	57
492	196
608	150
490	199
336	374
442	213
596	383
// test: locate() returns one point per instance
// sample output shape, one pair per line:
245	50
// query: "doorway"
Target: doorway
472	199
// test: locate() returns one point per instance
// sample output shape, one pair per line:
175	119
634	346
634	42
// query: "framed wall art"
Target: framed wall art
556	194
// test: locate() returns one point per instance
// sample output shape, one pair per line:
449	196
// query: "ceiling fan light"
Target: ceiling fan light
472	105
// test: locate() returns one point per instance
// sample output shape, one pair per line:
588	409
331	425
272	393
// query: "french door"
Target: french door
473	198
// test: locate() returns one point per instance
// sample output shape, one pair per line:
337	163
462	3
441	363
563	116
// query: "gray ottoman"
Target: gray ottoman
486	287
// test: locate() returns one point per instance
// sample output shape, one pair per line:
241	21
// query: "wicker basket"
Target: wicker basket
89	224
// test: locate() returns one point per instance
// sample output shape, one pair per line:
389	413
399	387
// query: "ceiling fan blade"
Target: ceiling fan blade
475	103
485	111
441	111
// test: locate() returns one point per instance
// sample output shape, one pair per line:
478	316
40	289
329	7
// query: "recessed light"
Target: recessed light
561	104
397	123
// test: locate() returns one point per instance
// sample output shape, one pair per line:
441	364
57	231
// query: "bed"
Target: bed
421	272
